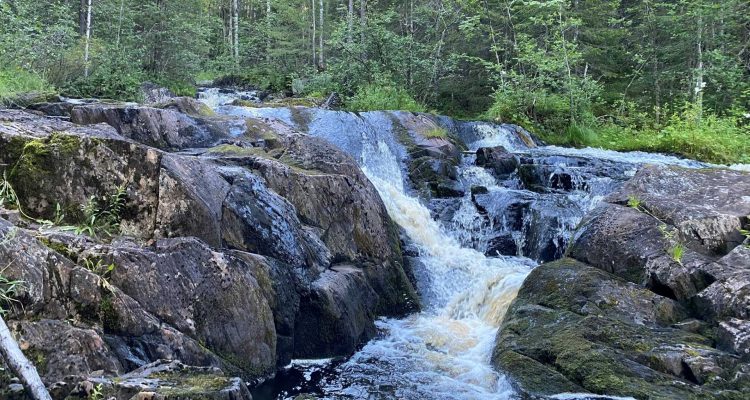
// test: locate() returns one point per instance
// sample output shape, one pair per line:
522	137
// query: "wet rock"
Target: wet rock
160	128
167	380
56	109
640	318
186	105
335	317
586	328
59	349
185	284
632	245
90	161
707	206
209	296
433	154
153	93
734	336
502	245
499	160
191	196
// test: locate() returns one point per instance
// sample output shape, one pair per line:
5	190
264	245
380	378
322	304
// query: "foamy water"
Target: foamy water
444	351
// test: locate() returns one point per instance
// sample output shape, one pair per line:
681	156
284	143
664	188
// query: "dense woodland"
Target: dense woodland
671	76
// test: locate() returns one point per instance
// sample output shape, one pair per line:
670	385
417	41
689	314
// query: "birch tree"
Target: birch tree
88	39
236	33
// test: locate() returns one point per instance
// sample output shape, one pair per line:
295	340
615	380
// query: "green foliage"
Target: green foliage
375	97
676	252
97	393
112	78
675	249
8	197
15	81
634	202
436	133
9	288
713	139
99	267
102	215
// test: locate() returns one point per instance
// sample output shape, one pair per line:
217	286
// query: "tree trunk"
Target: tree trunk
236	33
88	40
314	35
21	366
350	21
119	22
362	19
321	58
268	29
699	71
82	11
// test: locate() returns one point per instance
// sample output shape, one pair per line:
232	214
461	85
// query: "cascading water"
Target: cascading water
444	351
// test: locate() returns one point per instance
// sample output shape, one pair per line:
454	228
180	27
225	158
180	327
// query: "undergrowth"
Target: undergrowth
15	81
376	97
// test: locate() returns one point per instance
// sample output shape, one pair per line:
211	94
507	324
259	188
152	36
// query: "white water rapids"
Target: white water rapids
444	351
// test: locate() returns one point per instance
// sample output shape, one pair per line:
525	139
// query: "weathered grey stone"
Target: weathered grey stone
167	380
498	160
586	328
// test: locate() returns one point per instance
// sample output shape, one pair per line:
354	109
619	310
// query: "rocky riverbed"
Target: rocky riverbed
247	238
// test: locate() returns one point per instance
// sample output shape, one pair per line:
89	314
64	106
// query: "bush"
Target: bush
115	79
14	81
580	136
538	111
376	97
712	139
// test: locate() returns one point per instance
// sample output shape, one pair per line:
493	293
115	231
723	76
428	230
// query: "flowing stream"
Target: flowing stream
444	351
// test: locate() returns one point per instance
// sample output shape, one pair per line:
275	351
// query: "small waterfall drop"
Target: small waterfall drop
444	351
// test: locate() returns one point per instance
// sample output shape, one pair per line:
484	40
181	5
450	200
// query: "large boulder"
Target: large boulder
270	245
168	128
575	328
433	154
655	302
497	159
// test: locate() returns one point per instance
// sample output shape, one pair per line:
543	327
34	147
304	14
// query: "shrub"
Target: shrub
112	79
580	136
376	97
14	81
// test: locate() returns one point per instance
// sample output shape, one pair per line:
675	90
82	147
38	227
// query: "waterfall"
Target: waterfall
444	351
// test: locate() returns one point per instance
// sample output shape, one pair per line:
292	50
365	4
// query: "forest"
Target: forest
667	76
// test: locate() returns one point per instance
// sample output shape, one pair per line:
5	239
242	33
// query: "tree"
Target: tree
88	39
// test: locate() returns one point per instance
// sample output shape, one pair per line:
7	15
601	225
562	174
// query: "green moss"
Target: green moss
58	247
257	129
65	145
533	376
436	133
110	319
37	357
193	386
230	150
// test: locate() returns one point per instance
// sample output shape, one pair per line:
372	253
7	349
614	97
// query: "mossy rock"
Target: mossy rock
169	381
573	325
